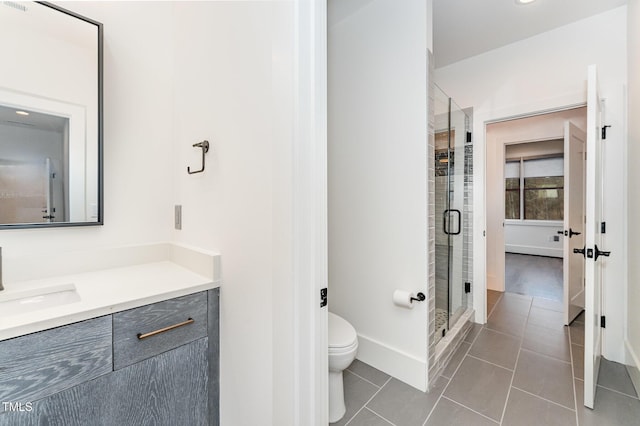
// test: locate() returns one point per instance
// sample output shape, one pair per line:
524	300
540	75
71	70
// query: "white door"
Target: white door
573	264
593	238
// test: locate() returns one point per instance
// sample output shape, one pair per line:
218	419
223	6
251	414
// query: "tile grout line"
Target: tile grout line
494	364
542	307
441	395
494	305
545	399
465	354
369	400
471	409
507	334
368	381
552	358
612	390
379	415
513	375
503	333
573	375
452	375
617	391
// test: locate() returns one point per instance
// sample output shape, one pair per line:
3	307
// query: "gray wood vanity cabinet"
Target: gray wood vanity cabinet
173	381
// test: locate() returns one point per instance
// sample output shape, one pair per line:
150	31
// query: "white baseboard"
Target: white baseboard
633	366
398	364
538	251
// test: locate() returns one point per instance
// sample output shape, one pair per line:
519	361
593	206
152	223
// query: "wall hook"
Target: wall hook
205	148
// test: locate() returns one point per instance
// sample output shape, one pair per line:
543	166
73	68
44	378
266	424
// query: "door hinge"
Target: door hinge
604	132
468	137
467	287
323	297
603	227
603	321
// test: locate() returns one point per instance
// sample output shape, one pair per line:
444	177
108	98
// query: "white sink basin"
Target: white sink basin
24	301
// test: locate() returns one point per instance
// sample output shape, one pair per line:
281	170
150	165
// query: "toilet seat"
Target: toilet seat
344	349
342	335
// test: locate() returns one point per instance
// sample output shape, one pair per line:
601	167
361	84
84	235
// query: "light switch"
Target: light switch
178	216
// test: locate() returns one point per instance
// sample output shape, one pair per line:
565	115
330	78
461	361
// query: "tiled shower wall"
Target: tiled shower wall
468	208
441	254
431	175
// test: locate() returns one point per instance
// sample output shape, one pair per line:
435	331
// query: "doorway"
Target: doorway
526	245
533	218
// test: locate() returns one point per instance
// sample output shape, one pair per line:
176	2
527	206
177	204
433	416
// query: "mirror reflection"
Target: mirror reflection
50	117
33	169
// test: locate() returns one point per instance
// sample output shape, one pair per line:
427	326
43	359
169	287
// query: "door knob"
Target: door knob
572	233
579	251
601	253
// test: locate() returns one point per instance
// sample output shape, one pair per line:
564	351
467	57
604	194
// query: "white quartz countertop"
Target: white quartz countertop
103	292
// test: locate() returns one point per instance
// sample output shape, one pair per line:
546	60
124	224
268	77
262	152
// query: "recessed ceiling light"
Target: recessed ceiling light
22	113
524	1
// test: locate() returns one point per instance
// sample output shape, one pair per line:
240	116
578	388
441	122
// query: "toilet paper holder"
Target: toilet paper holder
419	297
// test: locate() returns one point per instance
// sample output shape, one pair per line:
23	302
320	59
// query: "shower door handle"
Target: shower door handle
446	224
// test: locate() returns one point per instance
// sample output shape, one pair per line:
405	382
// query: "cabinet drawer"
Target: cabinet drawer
169	318
40	364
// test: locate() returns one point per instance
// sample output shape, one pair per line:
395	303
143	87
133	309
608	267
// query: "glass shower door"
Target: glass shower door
455	216
441	146
452	170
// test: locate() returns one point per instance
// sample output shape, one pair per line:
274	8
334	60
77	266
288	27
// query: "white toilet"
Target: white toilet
343	346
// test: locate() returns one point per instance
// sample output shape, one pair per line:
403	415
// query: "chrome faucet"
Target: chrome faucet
1	286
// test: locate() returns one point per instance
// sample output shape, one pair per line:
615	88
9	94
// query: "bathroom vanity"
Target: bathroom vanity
140	346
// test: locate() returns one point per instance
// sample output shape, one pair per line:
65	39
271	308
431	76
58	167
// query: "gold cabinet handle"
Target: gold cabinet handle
162	330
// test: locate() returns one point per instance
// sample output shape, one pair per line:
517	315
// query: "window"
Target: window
512	190
534	189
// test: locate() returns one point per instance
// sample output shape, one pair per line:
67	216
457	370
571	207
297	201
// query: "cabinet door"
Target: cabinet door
169	389
41	364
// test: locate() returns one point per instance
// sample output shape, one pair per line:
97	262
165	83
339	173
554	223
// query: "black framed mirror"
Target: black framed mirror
51	117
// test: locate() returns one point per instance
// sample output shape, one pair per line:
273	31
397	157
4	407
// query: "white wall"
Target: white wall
223	94
175	74
377	61
137	130
234	87
633	236
525	137
541	73
511	135
533	238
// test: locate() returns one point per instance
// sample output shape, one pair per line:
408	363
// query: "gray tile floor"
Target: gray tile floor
521	368
537	276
